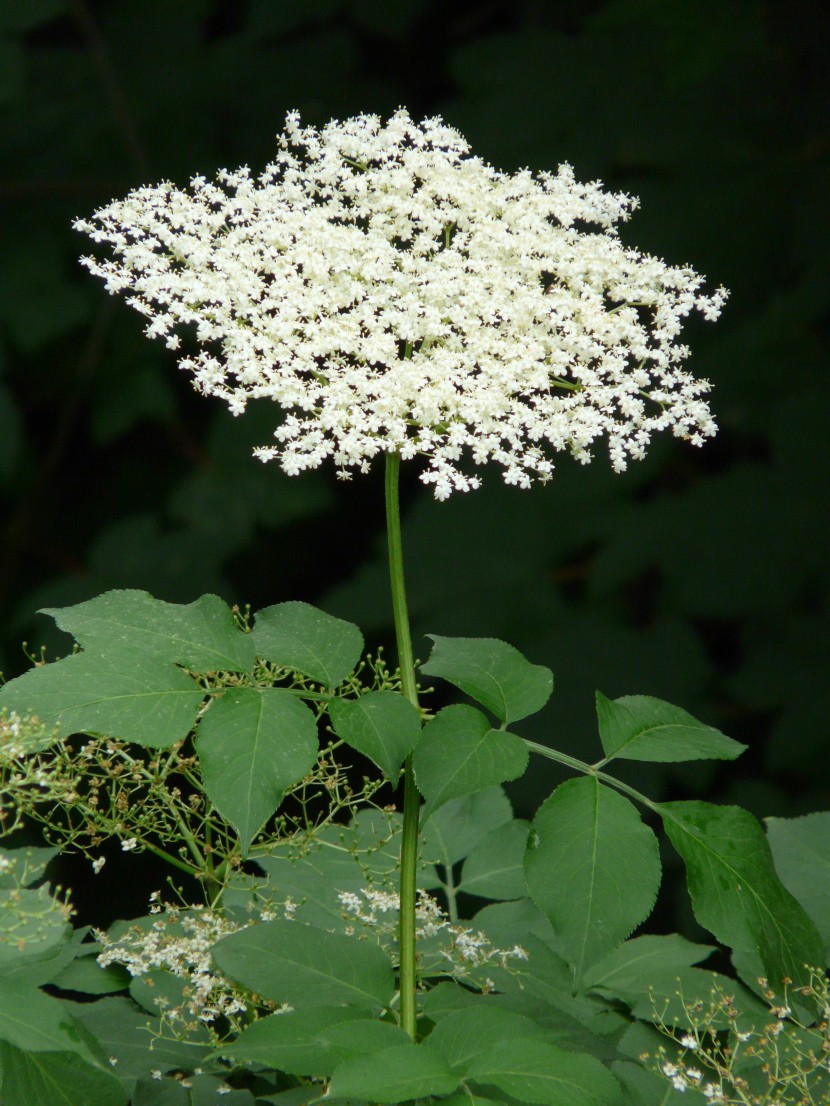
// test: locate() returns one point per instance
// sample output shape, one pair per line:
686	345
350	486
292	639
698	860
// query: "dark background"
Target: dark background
701	576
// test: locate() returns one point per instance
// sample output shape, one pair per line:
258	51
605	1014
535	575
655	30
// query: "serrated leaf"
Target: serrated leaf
307	640
459	754
202	635
735	891
312	1042
305	966
468	1033
493	673
639	960
382	725
592	867
495	867
454	831
132	697
801	851
534	1071
253	744
394	1074
56	1078
639	727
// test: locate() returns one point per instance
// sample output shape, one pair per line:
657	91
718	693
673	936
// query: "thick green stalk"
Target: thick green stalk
411	802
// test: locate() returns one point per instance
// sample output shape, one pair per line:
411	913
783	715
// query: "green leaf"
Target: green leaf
382	725
454	831
313	880
129	696
801	851
735	891
459	753
124	1032
309	641
202	635
31	923
56	1078
592	867
495	867
493	673
469	1033
304	966
253	744
34	1021
394	1074
638	727
639	960
86	976
534	1071
312	1042
24	866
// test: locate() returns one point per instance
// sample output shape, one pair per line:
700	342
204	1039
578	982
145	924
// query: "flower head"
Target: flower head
391	292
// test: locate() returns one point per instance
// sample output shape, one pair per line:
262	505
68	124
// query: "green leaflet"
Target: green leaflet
394	1074
454	831
314	1041
592	867
639	727
253	744
534	1071
459	753
130	696
634	963
465	1035
493	673
801	851
495	867
309	641
735	891
202	635
382	725
31	923
56	1079
34	1021
305	966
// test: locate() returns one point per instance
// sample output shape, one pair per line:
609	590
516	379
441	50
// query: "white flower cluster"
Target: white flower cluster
391	292
180	943
465	949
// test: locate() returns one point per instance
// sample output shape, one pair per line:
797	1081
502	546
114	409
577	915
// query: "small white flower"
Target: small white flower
391	292
687	1041
129	844
98	864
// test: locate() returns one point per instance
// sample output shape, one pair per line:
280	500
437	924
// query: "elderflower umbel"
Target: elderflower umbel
391	292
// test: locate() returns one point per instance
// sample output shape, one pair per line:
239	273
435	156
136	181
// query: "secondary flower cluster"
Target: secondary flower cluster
464	948
391	292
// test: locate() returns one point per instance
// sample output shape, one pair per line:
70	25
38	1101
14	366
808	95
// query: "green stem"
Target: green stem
411	801
590	770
